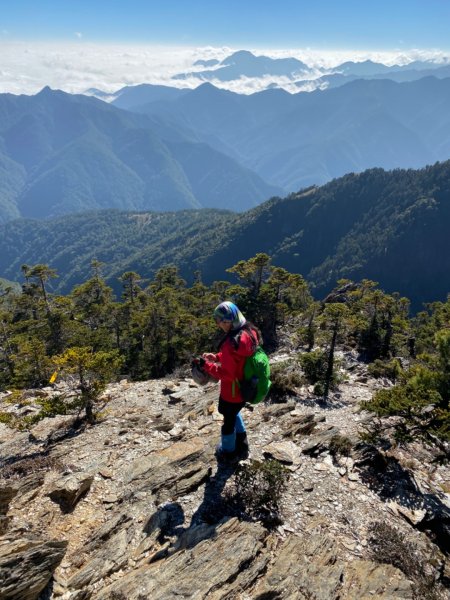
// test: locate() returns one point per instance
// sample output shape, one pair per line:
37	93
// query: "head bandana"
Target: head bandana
227	311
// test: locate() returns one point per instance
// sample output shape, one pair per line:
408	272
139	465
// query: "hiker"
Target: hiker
240	341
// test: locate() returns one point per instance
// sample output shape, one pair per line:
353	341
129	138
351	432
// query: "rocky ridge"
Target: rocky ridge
137	506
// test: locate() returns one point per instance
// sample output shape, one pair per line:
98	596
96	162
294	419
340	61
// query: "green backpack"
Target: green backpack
256	383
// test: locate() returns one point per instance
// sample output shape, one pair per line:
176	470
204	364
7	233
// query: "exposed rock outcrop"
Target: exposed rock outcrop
137	506
26	566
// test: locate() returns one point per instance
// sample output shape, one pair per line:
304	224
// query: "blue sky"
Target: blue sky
75	45
363	24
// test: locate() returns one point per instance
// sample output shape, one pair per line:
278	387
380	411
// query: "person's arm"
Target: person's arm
225	367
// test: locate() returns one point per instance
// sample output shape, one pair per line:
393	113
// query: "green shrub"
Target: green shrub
315	368
319	388
285	379
418	408
7	419
55	405
259	487
390	369
314	365
89	372
340	444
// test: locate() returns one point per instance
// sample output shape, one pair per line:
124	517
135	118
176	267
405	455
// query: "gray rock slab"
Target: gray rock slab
111	557
198	572
26	567
278	410
47	428
299	425
309	568
4	524
171	472
319	441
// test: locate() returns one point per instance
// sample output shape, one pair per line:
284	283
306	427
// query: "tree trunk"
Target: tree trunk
329	373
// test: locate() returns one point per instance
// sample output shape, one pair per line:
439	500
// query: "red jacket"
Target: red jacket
229	365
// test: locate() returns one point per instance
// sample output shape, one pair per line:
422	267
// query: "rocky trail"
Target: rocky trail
137	507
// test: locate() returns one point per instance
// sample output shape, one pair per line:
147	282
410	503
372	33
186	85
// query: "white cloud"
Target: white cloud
75	67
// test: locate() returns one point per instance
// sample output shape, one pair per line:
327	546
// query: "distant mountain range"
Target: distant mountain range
373	71
391	227
245	65
297	140
61	153
244	72
172	149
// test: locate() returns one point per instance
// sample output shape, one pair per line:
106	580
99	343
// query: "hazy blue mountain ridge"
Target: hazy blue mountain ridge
132	96
296	140
245	64
62	153
336	79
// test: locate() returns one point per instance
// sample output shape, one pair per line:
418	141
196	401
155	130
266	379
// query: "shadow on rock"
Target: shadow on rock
214	506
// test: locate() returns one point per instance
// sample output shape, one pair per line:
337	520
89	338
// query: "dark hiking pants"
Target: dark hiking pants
229	410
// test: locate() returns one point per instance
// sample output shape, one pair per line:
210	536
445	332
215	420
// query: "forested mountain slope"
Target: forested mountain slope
388	226
61	153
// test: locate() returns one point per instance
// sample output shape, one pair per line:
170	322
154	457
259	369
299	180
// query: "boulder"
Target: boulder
69	489
284	452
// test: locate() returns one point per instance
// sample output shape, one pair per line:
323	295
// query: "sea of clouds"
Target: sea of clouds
27	67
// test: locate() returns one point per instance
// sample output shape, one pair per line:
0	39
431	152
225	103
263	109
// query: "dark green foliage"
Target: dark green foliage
390	369
422	397
260	486
387	545
139	242
160	323
314	365
390	227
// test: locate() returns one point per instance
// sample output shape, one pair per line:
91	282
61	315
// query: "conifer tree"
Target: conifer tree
334	318
90	372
